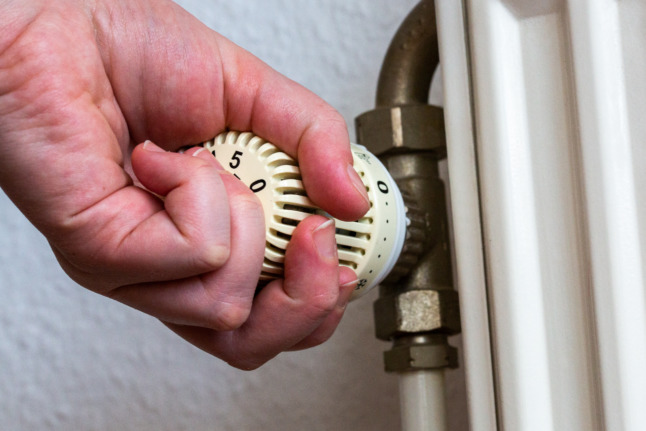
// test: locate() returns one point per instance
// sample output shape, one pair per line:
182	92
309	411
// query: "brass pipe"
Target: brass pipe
411	59
417	307
402	118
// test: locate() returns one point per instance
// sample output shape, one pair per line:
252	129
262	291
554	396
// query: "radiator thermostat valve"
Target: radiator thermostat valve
370	245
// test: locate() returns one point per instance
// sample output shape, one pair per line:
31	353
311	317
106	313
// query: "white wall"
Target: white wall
72	360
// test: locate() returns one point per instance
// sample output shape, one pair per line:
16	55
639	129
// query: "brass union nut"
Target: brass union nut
417	311
411	127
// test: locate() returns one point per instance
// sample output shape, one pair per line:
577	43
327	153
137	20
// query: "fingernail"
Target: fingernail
150	146
204	154
325	240
349	283
346	292
199	151
357	183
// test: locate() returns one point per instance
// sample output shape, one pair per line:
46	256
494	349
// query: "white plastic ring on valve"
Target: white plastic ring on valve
370	245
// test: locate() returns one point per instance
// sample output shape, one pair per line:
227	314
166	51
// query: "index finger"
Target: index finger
259	99
214	85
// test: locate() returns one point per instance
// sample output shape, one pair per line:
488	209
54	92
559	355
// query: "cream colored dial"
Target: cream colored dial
370	245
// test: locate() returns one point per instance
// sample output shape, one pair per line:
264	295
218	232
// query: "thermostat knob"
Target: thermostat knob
370	245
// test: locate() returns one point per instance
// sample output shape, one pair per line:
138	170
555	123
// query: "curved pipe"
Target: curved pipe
404	121
411	59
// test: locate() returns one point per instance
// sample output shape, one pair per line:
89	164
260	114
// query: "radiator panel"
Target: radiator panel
558	90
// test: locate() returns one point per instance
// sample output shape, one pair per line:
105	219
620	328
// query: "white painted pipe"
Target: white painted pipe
422	402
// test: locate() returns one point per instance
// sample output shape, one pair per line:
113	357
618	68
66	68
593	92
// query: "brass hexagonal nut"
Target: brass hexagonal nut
417	311
412	127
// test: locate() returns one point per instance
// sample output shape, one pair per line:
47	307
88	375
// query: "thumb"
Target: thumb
133	236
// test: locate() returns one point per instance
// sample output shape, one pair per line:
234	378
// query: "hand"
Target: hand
81	82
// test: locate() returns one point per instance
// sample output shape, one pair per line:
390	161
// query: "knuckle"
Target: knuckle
244	359
246	364
336	119
213	256
323	304
247	204
228	316
202	170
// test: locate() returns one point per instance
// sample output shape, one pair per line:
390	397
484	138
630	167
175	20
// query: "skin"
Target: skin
96	97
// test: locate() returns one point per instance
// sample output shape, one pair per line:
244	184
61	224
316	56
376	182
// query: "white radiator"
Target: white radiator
545	103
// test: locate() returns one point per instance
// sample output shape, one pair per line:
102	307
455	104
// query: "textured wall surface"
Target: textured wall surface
72	360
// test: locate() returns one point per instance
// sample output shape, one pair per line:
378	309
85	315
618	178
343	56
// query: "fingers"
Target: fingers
301	124
219	86
220	300
348	283
188	248
301	310
195	204
133	237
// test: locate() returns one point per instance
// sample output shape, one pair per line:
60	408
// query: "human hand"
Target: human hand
81	82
